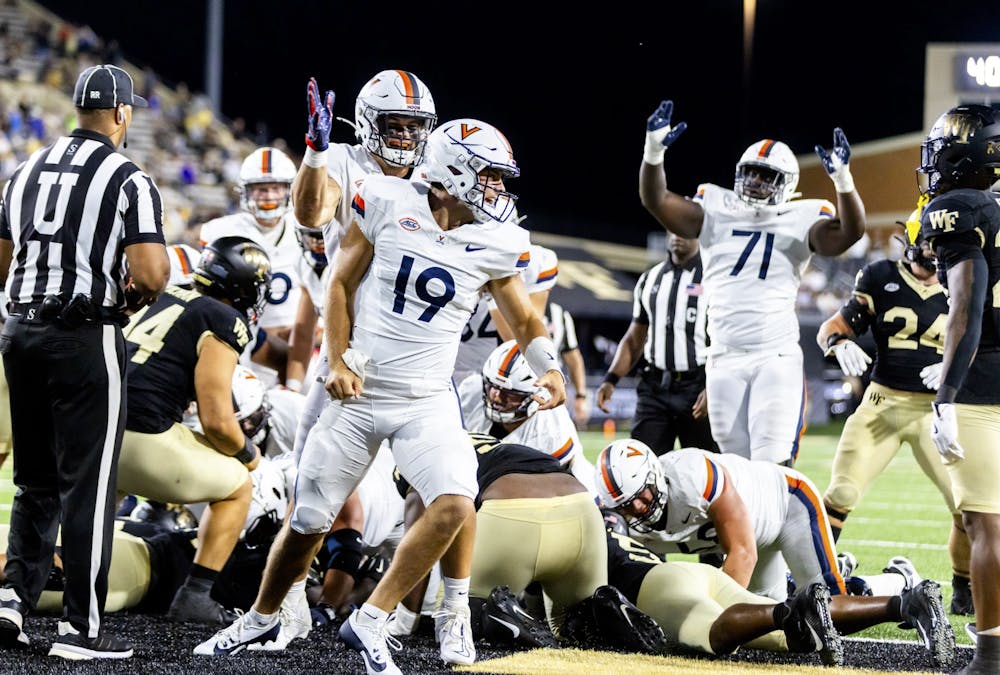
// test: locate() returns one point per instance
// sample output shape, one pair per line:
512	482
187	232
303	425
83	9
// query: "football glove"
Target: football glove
853	360
931	375
320	117
836	163
659	134
944	432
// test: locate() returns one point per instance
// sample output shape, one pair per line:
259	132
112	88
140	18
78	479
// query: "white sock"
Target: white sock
370	615
889	583
297	588
456	592
406	619
261	620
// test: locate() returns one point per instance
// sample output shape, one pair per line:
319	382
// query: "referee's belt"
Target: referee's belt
658	374
71	312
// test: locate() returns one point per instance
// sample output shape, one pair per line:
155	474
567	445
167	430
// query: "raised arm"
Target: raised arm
833	236
315	195
675	213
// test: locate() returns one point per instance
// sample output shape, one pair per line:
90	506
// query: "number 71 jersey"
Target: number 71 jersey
423	282
753	261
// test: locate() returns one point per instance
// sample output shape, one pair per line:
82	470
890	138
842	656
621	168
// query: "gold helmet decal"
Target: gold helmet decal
913	222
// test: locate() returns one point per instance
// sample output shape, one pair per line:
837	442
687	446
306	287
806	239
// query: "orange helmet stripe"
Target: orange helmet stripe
765	149
265	161
410	88
508	361
609	482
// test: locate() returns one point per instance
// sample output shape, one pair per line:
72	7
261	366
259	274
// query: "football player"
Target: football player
183	261
959	161
184	348
413	261
499	401
756	239
700	607
905	307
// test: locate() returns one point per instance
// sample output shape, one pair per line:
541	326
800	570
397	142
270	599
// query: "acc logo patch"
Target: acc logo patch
409	224
891	287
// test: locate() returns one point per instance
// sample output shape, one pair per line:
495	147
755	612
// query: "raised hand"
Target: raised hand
659	134
320	117
837	162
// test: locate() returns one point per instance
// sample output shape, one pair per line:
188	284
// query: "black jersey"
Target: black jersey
163	343
628	564
960	225
907	320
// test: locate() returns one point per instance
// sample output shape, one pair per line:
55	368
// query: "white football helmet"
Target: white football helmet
624	469
508	383
266	165
767	174
250	402
313	246
457	152
268	503
183	260
394	93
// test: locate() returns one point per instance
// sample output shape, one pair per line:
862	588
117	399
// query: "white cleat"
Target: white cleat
295	621
372	643
240	635
454	632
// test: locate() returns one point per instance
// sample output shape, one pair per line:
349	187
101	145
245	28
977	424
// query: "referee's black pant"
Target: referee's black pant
663	411
67	416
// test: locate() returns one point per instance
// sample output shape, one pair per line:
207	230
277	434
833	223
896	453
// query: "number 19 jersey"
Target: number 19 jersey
753	261
423	282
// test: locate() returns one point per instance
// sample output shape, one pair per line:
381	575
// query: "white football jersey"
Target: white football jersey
314	284
284	252
696	480
753	262
348	165
422	284
480	337
286	407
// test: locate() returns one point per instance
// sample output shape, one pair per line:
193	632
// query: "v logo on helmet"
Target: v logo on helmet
468	131
632	452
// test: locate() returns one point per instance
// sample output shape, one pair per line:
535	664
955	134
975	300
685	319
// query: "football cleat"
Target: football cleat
372	643
12	611
505	620
239	636
901	565
454	633
295	620
73	645
961	596
857	586
923	608
847	562
809	627
609	619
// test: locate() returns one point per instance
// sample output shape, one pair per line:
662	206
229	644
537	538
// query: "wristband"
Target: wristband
248	453
581	395
833	339
612	378
541	356
653	150
293	384
843	181
313	159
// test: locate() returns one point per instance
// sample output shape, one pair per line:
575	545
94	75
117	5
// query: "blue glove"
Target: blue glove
320	117
659	134
836	164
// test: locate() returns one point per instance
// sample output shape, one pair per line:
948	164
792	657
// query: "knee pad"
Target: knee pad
309	520
344	552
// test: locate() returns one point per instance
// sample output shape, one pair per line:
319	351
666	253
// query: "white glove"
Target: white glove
944	431
853	359
931	375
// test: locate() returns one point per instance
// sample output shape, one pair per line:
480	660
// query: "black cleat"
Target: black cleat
809	627
504	620
611	620
923	608
75	646
12	612
961	597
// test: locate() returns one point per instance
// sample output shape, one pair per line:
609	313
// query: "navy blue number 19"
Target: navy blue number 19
435	302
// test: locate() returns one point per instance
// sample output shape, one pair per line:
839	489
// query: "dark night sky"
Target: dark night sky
571	93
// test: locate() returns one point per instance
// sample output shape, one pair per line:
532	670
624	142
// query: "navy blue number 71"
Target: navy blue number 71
754	238
434	302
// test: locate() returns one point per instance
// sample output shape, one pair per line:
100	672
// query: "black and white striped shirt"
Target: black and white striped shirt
670	301
562	328
70	210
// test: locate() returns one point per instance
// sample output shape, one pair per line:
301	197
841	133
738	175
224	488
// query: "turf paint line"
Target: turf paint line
846	544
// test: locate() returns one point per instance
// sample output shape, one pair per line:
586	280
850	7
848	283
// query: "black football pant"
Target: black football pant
67	417
663	414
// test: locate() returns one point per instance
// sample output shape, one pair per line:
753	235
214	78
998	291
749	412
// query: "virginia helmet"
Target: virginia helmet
767	174
183	260
266	165
458	154
962	149
313	246
268	503
623	470
253	410
177	517
236	269
508	385
388	96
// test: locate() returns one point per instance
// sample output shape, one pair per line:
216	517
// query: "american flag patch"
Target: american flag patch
693	289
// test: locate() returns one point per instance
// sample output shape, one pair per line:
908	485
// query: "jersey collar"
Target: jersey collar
94	136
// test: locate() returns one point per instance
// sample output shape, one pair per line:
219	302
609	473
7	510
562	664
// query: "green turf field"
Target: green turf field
903	514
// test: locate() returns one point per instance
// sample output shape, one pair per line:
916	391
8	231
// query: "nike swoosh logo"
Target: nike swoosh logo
470	248
513	629
686	519
624	609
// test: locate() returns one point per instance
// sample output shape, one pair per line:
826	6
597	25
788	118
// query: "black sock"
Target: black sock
781	612
201	577
896	608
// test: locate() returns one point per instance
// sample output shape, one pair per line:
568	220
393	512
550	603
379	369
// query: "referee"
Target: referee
668	331
69	213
